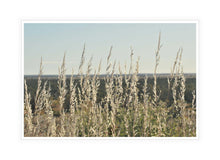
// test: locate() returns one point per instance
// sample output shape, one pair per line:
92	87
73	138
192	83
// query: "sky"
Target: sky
51	40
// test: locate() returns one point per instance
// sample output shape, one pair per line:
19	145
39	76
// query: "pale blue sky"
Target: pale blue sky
51	40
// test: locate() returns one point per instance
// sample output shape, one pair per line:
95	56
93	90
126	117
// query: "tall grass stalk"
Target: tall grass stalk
28	111
62	93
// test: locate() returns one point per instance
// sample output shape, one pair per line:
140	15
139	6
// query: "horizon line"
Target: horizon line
101	74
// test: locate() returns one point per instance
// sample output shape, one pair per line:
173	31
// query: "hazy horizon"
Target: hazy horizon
99	74
51	40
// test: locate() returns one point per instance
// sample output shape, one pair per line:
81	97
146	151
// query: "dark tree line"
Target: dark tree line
162	85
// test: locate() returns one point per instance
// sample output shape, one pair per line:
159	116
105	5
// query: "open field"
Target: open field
127	104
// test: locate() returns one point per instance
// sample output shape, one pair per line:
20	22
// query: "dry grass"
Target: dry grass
121	113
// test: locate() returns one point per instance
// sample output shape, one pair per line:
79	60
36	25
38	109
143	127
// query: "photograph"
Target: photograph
109	79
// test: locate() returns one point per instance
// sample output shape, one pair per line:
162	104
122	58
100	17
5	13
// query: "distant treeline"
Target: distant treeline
166	95
140	75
